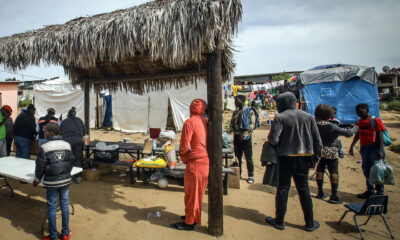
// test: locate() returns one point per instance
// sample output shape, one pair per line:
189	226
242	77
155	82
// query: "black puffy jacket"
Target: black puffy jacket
54	163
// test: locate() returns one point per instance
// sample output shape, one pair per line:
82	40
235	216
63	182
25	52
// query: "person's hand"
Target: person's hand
351	152
35	183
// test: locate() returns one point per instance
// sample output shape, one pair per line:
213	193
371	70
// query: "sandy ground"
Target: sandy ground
112	208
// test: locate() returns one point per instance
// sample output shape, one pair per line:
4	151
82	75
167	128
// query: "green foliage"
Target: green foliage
394	105
24	103
282	76
395	148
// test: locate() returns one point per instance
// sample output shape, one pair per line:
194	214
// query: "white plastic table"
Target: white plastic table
24	170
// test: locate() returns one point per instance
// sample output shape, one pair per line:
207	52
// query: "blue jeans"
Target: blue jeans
51	195
369	156
22	147
42	141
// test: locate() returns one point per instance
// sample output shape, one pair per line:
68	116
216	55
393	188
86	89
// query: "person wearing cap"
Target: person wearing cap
5	112
24	132
43	121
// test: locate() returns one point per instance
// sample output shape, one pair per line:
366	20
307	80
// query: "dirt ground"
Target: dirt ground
112	208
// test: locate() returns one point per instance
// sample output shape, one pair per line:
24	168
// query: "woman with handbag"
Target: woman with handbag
329	134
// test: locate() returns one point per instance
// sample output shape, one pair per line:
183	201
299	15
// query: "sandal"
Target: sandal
313	228
271	221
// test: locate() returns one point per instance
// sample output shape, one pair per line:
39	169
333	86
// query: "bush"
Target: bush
24	103
394	105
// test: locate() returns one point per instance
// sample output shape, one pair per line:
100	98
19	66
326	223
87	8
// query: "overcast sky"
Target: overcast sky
274	35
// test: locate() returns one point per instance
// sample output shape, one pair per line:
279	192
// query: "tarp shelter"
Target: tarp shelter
343	87
145	111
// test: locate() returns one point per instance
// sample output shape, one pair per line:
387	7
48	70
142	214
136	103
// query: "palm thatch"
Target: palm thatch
147	47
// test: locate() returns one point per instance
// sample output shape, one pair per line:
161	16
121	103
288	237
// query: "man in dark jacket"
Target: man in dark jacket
54	165
299	146
24	132
43	121
72	131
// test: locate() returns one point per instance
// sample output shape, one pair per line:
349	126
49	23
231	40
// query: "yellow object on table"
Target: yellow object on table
150	162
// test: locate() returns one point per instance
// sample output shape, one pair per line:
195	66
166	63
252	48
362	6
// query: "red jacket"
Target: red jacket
193	143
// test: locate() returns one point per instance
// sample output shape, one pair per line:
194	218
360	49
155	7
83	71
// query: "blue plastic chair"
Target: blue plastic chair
374	205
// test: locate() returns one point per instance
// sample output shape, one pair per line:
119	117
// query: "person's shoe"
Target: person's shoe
378	193
22	182
66	237
184	218
78	180
321	195
335	200
250	180
365	194
313	228
183	226
272	221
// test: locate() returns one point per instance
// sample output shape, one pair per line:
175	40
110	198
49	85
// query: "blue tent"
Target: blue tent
343	87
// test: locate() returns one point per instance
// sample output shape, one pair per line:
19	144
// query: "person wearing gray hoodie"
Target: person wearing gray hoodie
296	136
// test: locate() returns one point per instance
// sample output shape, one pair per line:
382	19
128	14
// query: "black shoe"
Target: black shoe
313	228
321	196
272	221
183	226
335	200
365	194
184	218
250	180
234	164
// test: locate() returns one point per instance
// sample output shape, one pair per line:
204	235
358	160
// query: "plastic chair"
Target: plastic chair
374	205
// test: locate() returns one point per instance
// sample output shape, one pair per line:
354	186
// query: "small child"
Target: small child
371	146
54	165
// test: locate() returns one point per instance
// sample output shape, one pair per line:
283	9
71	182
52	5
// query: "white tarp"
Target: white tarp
131	112
181	99
61	95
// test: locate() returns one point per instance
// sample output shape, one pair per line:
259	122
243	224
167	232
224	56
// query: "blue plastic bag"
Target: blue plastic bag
381	173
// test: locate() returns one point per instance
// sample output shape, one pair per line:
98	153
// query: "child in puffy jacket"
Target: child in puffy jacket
53	167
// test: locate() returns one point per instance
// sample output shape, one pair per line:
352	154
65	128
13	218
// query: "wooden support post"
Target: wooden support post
87	104
214	144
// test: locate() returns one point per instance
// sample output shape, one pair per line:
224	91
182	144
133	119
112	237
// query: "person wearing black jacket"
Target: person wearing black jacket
54	165
296	136
329	133
43	121
24	132
72	131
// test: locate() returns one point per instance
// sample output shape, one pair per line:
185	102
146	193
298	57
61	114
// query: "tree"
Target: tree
282	76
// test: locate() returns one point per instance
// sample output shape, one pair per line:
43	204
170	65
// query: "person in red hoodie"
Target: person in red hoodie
193	152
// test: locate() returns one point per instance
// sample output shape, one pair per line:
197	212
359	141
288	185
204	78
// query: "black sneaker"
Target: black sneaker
365	194
250	180
335	200
321	196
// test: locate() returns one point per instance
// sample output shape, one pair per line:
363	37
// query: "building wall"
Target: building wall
9	96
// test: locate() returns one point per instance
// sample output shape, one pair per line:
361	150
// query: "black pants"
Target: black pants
77	151
297	168
240	145
9	144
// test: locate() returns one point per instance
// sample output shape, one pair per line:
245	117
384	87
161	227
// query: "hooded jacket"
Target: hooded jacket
193	142
24	125
54	163
293	131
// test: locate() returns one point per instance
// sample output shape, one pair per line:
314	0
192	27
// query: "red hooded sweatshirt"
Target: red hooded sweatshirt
193	143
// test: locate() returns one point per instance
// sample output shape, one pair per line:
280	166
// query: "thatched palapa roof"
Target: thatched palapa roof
147	47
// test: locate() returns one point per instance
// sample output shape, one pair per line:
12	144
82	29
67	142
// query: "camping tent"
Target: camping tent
143	111
343	87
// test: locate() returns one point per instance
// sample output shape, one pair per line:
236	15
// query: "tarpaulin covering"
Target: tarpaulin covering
338	73
61	95
344	96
